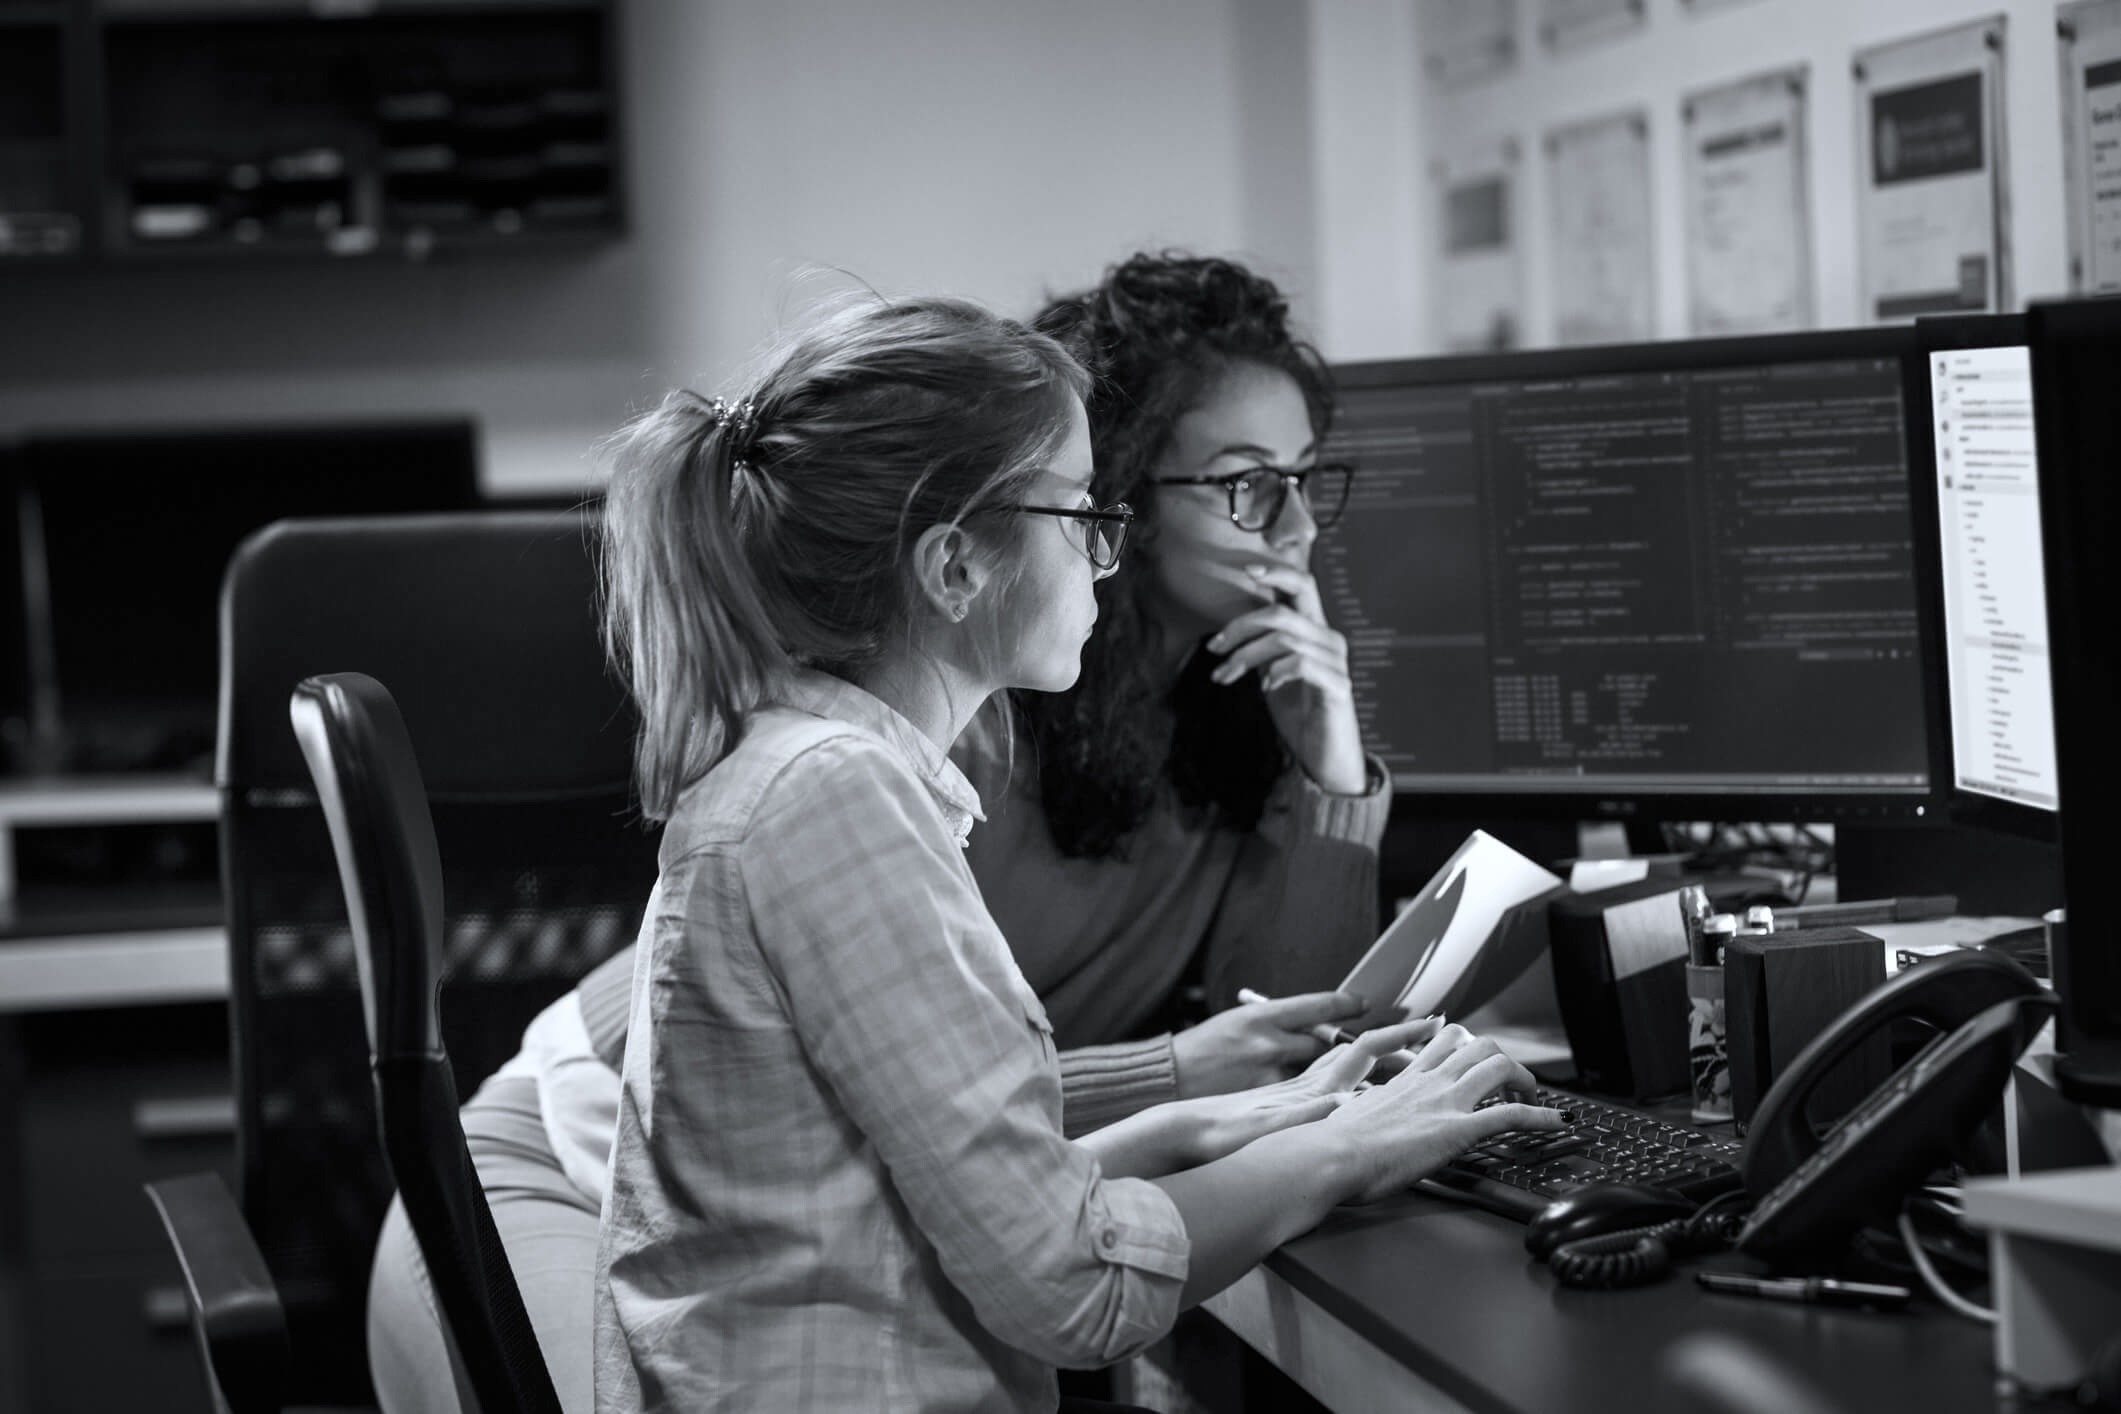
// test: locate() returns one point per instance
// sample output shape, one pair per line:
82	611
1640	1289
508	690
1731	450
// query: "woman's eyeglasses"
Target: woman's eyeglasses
1104	530
1258	493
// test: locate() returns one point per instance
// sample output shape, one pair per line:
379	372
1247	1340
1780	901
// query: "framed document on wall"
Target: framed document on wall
2089	45
1748	206
1932	196
1571	24
1465	41
1599	237
1479	252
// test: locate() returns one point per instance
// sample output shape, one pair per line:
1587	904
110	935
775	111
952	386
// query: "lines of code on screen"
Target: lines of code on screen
1689	580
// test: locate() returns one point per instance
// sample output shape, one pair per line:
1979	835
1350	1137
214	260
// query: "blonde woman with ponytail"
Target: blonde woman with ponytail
840	1177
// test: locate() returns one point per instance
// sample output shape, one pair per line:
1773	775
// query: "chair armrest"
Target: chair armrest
236	1313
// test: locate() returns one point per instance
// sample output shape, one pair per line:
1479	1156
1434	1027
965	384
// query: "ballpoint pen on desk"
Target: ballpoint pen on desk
1814	1291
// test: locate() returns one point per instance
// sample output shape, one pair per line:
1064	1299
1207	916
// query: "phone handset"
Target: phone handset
1814	1191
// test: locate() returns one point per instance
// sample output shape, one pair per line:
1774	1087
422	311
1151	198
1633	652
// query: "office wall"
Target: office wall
1375	236
990	149
999	151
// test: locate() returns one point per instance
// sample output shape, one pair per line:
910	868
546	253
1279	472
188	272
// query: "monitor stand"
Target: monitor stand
2091	1075
1988	873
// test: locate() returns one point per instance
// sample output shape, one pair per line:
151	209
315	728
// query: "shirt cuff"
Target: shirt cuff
1100	1084
1358	819
1135	1224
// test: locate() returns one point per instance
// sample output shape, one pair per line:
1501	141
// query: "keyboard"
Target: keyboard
1518	1174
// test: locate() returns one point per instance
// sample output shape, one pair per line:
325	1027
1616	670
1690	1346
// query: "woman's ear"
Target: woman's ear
952	569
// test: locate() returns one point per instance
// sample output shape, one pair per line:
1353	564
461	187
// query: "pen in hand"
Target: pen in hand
1329	1035
1324	1032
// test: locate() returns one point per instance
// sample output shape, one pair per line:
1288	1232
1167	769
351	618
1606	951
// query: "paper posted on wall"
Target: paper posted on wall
2089	41
1931	196
1451	949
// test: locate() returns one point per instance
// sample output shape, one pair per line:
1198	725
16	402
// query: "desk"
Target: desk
1421	1304
114	946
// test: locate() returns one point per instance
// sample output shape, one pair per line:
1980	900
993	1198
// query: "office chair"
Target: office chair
485	625
375	805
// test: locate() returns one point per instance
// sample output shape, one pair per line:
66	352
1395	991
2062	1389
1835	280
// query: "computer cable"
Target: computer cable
1938	1286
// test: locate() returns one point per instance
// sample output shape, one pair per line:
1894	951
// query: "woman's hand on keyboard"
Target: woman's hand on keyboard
1247	1046
1432	1111
1221	1124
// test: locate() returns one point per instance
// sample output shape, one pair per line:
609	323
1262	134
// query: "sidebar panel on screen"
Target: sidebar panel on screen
1994	577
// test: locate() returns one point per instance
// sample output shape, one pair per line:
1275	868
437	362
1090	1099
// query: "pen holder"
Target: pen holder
1781	990
1708	1054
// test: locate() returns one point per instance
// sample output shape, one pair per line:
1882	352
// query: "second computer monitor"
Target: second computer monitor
1657	581
1977	513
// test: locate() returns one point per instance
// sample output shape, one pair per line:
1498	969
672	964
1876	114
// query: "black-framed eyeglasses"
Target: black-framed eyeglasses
1258	493
1104	530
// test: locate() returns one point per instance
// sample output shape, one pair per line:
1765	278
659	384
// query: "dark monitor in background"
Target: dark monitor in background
135	530
1666	581
15	723
2076	363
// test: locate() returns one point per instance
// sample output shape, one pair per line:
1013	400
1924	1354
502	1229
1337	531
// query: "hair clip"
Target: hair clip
728	414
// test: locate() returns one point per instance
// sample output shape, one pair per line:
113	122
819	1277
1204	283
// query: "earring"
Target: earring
957	611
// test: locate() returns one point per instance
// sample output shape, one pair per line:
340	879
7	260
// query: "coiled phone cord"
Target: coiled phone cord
1639	1256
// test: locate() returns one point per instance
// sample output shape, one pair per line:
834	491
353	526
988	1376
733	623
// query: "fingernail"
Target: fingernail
1567	1116
1215	644
1255	569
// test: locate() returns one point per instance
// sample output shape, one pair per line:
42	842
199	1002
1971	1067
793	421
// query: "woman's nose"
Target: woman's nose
1294	527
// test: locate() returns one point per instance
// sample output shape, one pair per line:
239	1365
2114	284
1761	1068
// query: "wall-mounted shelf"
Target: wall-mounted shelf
179	130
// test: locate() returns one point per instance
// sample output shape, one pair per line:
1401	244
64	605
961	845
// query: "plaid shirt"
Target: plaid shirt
839	1180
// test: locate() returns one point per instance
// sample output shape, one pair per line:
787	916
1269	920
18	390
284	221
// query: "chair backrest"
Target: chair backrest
375	806
485	626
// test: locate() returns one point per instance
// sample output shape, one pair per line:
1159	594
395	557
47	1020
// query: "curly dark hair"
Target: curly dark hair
1158	333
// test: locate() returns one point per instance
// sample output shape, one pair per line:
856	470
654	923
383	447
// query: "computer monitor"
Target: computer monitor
1978	548
15	722
134	530
2076	363
1667	581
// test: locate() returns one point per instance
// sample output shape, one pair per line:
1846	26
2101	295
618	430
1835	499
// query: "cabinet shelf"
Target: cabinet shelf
223	11
173	130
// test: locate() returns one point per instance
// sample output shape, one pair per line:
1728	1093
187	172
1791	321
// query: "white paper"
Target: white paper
1588	876
1598	180
1930	173
1479	261
1466	40
2090	47
1748	206
1434	940
1568	24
